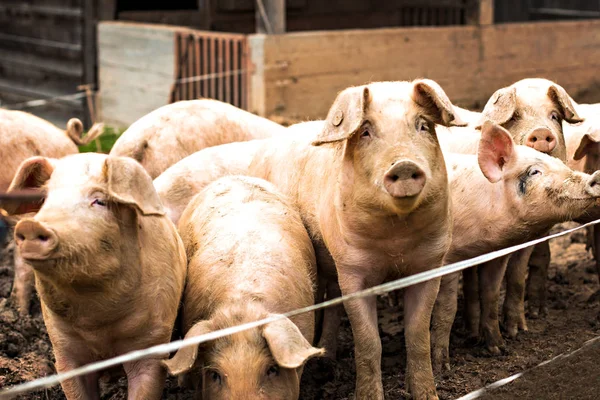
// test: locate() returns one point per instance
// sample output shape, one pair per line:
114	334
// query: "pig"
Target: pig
496	196
23	135
250	258
371	185
172	132
109	265
583	154
533	111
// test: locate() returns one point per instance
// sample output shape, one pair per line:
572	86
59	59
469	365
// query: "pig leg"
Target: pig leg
80	388
332	317
491	274
536	284
514	304
367	344
145	379
596	245
23	284
471	295
418	305
444	312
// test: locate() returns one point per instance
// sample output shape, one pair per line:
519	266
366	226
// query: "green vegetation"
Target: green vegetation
107	140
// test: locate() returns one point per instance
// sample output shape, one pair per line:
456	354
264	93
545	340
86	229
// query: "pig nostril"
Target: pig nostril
548	139
534	139
415	176
43	238
394	178
20	237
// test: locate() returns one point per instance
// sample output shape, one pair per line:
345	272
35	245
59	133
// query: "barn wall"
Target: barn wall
136	70
42	52
470	62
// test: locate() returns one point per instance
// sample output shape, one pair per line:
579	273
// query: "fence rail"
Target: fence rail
211	65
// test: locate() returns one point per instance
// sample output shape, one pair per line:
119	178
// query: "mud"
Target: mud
573	319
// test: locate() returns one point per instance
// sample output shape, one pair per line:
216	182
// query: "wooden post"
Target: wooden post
89	58
480	12
270	16
107	10
205	8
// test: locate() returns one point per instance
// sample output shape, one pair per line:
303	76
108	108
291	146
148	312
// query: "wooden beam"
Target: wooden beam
270	16
89	56
480	12
206	13
107	10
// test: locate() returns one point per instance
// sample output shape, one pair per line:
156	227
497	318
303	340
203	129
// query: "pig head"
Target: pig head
533	110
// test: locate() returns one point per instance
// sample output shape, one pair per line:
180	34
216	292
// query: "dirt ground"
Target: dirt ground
573	319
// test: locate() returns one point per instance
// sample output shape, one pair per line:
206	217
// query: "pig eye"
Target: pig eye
422	126
215	377
98	202
514	117
365	133
534	171
273	371
554	116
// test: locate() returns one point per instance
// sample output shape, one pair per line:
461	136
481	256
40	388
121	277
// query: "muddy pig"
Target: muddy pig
23	135
496	197
250	258
172	132
533	111
372	189
109	266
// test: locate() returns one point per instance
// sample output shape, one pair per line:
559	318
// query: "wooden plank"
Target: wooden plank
136	70
270	16
107	10
89	55
470	62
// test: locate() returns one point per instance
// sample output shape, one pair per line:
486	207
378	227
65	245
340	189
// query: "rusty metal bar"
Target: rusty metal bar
222	68
236	78
213	66
205	65
228	67
22	196
198	67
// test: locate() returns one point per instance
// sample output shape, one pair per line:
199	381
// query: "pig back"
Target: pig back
245	241
173	132
23	135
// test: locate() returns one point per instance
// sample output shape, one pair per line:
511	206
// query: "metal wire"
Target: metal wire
165	349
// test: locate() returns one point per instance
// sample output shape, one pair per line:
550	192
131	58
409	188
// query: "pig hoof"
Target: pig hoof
534	313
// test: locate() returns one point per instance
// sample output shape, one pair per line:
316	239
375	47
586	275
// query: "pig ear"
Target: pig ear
129	183
562	99
590	139
33	173
500	107
429	95
289	347
495	150
346	116
185	358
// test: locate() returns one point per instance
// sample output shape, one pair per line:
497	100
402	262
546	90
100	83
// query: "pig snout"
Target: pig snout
541	139
593	185
35	241
404	179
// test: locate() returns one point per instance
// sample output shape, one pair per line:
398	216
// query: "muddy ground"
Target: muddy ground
573	319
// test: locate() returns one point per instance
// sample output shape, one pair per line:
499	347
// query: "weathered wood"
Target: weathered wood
205	8
136	70
89	51
107	10
470	62
270	16
480	12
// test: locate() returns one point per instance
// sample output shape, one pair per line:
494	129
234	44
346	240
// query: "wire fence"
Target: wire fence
164	349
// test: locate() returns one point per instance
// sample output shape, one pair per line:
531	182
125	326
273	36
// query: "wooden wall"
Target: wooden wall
470	62
136	64
43	53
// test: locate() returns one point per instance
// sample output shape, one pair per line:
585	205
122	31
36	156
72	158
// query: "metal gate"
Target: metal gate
211	65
